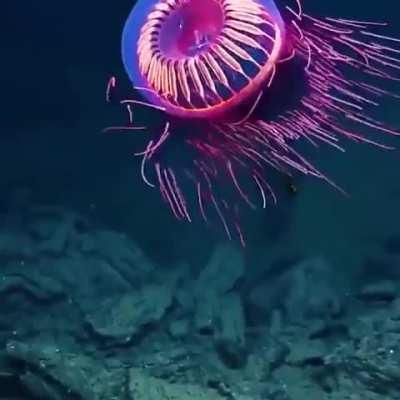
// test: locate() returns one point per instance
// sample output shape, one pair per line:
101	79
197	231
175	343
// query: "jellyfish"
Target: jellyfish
234	88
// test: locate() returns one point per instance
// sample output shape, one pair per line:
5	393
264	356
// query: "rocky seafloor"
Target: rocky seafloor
86	314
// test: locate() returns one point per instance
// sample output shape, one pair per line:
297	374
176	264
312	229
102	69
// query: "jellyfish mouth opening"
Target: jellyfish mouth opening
191	28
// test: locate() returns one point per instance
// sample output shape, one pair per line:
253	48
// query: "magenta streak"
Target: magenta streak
389	38
358	97
299	12
174	196
200	200
110	85
372	125
221	216
130	113
380	59
356	49
252	108
298	30
164	191
255	158
143	165
163	137
355	23
179	194
143	103
377	91
236	183
264	199
310	169
240	233
269	188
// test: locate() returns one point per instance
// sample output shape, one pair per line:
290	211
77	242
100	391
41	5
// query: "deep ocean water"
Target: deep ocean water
104	295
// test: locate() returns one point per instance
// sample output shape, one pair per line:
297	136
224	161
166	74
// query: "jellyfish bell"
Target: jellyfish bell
202	58
240	83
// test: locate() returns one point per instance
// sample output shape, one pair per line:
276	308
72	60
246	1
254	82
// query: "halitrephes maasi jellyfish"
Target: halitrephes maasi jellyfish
237	84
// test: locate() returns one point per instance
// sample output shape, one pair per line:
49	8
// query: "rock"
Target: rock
230	336
219	276
39	388
63	233
222	317
219	313
269	354
171	361
117	249
143	387
232	321
9	381
119	252
49	372
260	302
360	327
87	280
179	328
305	291
371	364
14	244
390	325
323	329
43	229
275	355
206	314
310	291
40	288
54	229
383	291
395	309
222	272
122	317
307	352
296	385
276	323
185	297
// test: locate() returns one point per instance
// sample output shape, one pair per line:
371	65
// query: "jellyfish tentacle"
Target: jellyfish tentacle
220	76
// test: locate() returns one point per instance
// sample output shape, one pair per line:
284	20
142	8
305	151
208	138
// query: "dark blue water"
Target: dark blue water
56	59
